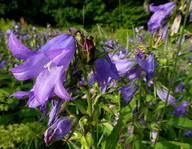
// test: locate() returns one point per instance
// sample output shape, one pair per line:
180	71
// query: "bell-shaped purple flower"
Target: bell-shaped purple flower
181	109
147	62
58	130
134	73
188	133
48	64
105	70
180	88
127	92
163	93
160	13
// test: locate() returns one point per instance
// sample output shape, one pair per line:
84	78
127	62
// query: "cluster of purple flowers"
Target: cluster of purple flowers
50	63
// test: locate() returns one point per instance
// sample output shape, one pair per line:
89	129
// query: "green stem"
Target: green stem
89	108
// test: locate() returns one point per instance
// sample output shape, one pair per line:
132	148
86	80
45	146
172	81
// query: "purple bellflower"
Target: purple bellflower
105	70
147	62
162	94
134	73
123	66
180	88
48	64
188	133
160	13
127	92
181	109
58	130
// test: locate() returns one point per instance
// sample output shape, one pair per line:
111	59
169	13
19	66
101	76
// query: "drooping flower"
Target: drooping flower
181	109
160	14
58	130
147	62
127	92
134	73
163	93
48	64
105	70
180	88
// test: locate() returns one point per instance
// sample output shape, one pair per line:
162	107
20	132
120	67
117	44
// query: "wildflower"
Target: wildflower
127	92
123	66
188	133
181	109
147	62
105	70
163	93
179	88
134	73
160	13
58	130
3	63
48	64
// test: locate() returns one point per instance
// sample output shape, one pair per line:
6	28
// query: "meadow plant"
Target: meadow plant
99	94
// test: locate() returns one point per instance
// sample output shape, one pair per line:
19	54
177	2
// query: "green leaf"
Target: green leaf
171	145
179	122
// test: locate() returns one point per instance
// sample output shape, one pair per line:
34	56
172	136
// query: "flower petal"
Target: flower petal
63	41
30	68
62	92
18	49
61	56
20	94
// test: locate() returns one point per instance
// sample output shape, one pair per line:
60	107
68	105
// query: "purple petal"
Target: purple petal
18	49
45	83
127	92
56	105
61	91
58	130
61	56
123	66
63	41
104	70
134	73
20	94
162	94
30	68
181	109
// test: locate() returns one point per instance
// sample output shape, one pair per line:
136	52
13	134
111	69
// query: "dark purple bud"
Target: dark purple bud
58	130
88	49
